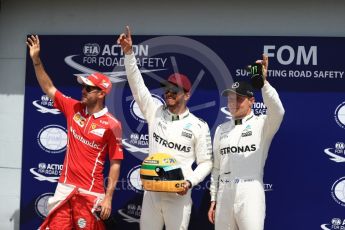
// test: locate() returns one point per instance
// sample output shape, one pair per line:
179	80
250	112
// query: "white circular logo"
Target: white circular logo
41	204
339	115
136	112
81	223
338	191
235	85
52	138
133	179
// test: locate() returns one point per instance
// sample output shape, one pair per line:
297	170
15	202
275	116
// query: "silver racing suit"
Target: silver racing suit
240	152
185	137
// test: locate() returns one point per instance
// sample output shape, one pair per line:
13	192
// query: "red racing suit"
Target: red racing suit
81	184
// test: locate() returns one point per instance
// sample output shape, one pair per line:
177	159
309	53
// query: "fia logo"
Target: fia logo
45	105
336	223
336	154
91	49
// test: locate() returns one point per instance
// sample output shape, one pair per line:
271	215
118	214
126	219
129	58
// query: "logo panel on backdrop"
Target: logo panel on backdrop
52	139
45	105
47	172
338	191
304	70
339	115
41	204
335	223
336	154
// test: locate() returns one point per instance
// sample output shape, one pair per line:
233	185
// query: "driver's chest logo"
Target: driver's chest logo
79	119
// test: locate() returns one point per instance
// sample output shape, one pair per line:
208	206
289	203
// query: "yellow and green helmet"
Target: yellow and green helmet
160	172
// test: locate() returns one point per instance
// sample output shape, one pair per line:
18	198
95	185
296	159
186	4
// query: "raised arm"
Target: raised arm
275	109
139	90
43	78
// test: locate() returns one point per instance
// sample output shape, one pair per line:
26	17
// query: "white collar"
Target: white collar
99	113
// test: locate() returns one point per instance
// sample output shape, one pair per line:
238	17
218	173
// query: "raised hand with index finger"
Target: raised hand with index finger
125	40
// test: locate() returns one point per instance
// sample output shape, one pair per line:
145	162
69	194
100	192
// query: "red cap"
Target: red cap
97	79
181	81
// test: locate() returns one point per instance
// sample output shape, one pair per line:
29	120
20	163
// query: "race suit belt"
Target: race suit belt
235	181
227	179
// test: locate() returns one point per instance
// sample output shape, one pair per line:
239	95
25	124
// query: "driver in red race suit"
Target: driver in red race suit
94	135
174	130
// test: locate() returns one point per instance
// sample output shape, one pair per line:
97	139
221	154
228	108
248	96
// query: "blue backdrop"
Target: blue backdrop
304	173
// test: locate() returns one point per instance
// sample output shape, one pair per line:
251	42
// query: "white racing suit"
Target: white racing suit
185	137
240	152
